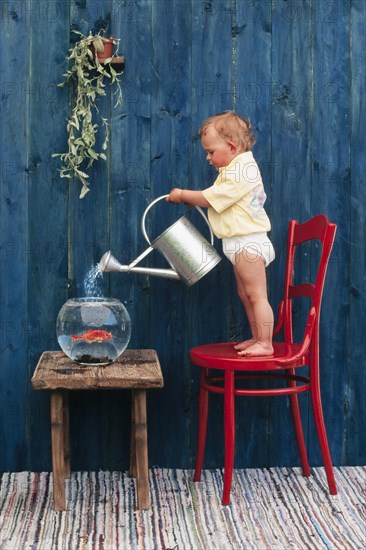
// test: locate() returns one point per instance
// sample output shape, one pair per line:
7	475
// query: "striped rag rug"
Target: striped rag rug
272	509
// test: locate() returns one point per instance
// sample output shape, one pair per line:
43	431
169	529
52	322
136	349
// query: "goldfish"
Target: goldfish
92	336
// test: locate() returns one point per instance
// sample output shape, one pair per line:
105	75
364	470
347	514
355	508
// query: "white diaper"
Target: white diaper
257	244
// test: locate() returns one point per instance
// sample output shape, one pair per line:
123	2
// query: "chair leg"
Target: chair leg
322	435
202	426
299	434
229	434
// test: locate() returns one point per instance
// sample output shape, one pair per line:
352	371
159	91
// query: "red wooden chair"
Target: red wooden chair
287	357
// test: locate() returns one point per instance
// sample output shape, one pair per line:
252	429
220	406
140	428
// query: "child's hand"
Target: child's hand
175	196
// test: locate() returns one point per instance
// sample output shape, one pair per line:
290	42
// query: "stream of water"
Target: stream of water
92	282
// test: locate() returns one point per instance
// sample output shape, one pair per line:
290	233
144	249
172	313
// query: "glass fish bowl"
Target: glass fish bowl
93	331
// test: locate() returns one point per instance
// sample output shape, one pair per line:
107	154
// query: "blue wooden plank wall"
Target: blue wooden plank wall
297	69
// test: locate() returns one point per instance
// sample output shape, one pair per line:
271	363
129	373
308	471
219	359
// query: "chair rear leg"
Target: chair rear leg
202	426
322	435
229	434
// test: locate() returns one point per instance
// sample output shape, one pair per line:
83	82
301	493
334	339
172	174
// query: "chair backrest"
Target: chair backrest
318	228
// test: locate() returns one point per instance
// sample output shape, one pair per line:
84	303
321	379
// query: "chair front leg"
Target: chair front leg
202	425
229	434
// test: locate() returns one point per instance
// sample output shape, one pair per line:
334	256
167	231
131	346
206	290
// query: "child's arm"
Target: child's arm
193	198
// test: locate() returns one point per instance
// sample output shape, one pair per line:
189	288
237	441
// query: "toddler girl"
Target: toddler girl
236	213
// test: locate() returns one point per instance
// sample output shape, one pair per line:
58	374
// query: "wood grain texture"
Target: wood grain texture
331	195
58	450
139	431
253	98
170	160
296	68
133	369
130	190
47	251
212	83
16	97
354	402
291	190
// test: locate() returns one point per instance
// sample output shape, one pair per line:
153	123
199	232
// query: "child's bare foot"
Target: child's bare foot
256	350
244	345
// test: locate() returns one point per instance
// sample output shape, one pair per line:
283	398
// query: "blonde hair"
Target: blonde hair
231	127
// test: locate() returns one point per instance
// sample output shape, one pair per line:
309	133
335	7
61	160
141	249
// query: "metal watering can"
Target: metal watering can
189	254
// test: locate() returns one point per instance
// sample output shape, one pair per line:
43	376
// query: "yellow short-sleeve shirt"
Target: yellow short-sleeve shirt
237	199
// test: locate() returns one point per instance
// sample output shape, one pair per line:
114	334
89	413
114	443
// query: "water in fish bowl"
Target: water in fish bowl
93	330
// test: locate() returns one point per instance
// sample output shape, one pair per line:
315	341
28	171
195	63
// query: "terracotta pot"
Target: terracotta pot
108	44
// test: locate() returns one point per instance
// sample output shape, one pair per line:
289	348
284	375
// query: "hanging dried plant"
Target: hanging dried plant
88	77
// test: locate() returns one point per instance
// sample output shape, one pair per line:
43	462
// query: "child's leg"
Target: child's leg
249	313
250	274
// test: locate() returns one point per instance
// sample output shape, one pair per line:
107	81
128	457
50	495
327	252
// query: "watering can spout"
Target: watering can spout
109	263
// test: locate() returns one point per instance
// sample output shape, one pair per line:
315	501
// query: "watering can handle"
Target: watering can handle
143	227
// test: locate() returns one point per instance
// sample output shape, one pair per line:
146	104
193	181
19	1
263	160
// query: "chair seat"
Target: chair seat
225	356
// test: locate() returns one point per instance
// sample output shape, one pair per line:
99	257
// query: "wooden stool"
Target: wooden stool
137	370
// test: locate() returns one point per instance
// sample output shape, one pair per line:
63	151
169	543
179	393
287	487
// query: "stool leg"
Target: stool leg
133	441
58	452
140	430
66	434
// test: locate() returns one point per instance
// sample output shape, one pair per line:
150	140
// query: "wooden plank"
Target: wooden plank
253	91
47	250
89	221
130	189
354	401
133	369
291	103
209	314
170	149
14	245
253	99
211	93
130	176
330	166
89	217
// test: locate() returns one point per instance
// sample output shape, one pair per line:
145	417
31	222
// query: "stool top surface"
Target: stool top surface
135	368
